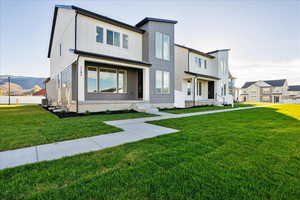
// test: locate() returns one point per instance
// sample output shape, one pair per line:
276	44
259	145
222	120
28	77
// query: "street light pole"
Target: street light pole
9	90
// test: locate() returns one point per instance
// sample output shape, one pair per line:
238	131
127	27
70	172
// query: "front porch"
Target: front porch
105	84
198	91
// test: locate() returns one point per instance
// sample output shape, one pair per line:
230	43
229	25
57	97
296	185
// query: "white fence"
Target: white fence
291	101
22	99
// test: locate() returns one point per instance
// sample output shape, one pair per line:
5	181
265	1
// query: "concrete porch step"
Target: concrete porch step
144	107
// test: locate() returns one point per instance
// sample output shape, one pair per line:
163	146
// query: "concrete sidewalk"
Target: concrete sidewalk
133	130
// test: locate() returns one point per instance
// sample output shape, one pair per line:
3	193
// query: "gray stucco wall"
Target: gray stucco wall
159	64
132	85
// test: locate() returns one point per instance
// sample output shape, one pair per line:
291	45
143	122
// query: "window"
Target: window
224	89
199	88
58	81
92	79
99	36
108	80
196	60
205	64
199	62
189	88
162	46
66	77
117	39
122	81
110	37
162	82
166	47
125	41
113	38
158	82
158	45
60	49
166	82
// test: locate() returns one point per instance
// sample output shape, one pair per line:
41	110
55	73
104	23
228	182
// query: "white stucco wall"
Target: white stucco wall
64	35
212	69
86	39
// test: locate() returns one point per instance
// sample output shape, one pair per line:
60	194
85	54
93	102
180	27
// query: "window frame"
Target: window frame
123	41
162	77
161	44
107	34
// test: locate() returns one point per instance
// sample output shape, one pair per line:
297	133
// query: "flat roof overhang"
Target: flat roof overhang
112	58
202	75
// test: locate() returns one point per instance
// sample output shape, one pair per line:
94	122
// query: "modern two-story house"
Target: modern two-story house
98	64
201	78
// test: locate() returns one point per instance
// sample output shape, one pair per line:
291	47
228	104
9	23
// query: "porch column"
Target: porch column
194	90
146	85
81	79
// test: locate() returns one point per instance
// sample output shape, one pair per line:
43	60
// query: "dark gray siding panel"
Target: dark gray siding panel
74	82
158	64
132	85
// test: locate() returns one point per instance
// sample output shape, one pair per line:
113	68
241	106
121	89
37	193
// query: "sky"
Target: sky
263	35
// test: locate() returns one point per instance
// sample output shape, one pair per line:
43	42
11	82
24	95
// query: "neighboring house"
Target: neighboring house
98	63
264	91
293	94
202	78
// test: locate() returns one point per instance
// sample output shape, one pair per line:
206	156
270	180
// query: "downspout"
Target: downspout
75	47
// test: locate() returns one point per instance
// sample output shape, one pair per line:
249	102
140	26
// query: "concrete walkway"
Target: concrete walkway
133	130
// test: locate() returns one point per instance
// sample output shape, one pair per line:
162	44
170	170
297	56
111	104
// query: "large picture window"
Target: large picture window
106	80
162	82
162	46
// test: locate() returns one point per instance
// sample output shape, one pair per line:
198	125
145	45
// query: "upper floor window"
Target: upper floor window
99	36
205	64
125	41
113	38
162	82
162	46
198	62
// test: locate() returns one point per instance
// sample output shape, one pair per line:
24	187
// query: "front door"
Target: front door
276	99
211	89
140	84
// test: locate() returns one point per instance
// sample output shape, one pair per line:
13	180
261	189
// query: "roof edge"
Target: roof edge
195	51
147	19
218	51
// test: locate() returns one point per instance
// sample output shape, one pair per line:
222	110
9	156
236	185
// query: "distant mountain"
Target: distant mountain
25	82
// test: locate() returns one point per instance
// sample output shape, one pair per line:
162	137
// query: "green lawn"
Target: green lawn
202	108
246	154
30	125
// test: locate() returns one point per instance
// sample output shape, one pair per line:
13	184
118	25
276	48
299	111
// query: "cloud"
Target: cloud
268	70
